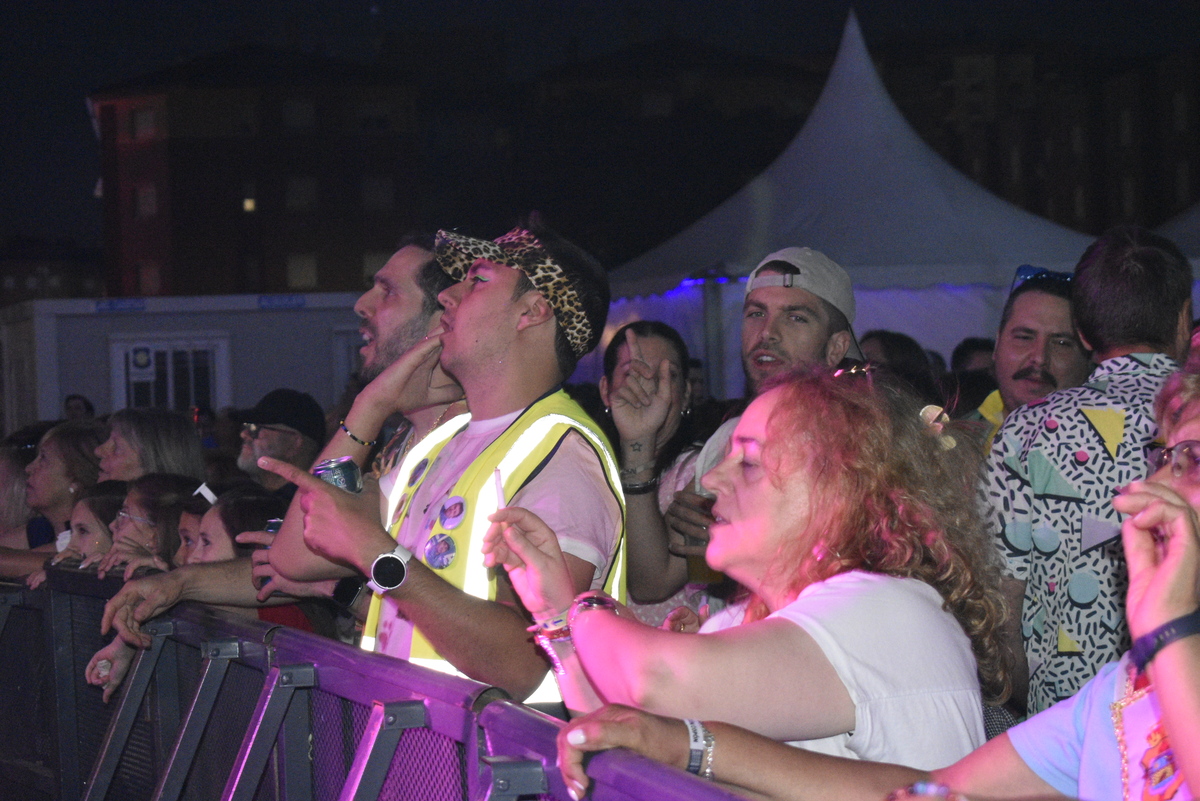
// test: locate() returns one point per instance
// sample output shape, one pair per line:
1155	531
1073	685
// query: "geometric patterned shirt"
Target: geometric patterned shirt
1054	468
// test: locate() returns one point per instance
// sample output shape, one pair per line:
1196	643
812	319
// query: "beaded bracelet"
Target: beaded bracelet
365	443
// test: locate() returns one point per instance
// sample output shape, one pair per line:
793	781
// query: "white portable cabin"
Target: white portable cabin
214	351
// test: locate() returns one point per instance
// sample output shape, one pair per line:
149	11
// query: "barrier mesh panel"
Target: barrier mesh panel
92	714
223	736
337	725
28	756
428	767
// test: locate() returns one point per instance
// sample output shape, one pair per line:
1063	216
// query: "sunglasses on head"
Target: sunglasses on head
1183	457
1027	272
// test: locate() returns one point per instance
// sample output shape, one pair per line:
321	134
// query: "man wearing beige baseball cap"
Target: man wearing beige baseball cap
798	310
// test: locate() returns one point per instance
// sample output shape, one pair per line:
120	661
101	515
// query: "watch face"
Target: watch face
388	571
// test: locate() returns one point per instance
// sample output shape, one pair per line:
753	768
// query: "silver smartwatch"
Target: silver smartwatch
389	570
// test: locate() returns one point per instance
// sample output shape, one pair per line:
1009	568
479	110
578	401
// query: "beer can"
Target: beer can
343	472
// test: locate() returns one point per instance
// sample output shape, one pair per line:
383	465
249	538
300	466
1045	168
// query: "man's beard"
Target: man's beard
387	351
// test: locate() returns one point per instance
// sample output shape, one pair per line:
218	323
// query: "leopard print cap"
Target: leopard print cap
521	250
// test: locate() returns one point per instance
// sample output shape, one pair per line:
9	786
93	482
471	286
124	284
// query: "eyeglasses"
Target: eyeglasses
130	516
1027	272
252	430
1184	458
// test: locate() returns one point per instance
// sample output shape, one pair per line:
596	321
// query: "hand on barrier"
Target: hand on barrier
137	602
128	552
35	579
615	726
529	551
108	666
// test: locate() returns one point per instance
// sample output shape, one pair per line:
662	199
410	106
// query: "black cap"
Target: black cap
291	408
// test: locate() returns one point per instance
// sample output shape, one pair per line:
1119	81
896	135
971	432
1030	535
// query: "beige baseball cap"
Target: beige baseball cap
816	273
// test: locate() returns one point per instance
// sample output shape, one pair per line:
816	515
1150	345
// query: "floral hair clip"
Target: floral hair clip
935	417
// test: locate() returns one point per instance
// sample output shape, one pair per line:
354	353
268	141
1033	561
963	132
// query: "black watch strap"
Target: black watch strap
346	591
1147	646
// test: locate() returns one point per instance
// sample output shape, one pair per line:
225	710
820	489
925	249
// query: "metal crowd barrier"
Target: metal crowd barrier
222	706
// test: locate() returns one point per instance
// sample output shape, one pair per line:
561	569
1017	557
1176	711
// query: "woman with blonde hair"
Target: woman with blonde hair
872	610
64	467
150	441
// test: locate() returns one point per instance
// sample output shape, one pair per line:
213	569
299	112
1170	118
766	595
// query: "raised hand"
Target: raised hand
414	380
640	404
338	525
1162	551
529	551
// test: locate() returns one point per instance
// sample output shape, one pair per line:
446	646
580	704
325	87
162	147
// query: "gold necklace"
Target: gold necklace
411	442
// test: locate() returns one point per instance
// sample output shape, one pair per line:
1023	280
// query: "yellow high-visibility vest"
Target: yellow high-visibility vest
519	453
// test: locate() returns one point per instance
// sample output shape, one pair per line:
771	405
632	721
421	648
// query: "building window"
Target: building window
249	198
145	201
176	371
301	193
141	122
378	193
302	271
299	114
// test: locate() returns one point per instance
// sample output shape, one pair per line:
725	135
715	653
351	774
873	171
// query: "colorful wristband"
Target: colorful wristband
366	443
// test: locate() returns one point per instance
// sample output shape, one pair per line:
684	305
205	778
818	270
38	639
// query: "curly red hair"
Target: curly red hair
889	496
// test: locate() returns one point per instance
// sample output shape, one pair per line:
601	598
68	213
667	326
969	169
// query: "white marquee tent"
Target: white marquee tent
1184	230
930	252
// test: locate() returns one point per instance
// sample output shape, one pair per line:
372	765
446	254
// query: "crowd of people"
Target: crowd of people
856	579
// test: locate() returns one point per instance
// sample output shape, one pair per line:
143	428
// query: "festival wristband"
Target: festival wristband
695	745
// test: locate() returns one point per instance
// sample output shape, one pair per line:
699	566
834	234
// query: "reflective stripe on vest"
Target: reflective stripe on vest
517	453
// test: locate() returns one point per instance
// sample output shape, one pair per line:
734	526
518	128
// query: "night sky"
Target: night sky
53	54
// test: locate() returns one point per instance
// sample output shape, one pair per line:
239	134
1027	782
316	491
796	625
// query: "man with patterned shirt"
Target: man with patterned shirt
1056	465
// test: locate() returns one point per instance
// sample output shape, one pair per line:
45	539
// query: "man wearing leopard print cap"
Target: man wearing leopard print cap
525	308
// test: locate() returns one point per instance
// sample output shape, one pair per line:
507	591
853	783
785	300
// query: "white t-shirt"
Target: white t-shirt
905	661
570	494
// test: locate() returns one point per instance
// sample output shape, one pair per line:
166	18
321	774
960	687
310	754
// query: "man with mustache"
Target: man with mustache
1037	351
1056	465
798	310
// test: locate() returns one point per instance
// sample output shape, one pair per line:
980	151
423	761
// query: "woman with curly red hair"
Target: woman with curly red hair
872	609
